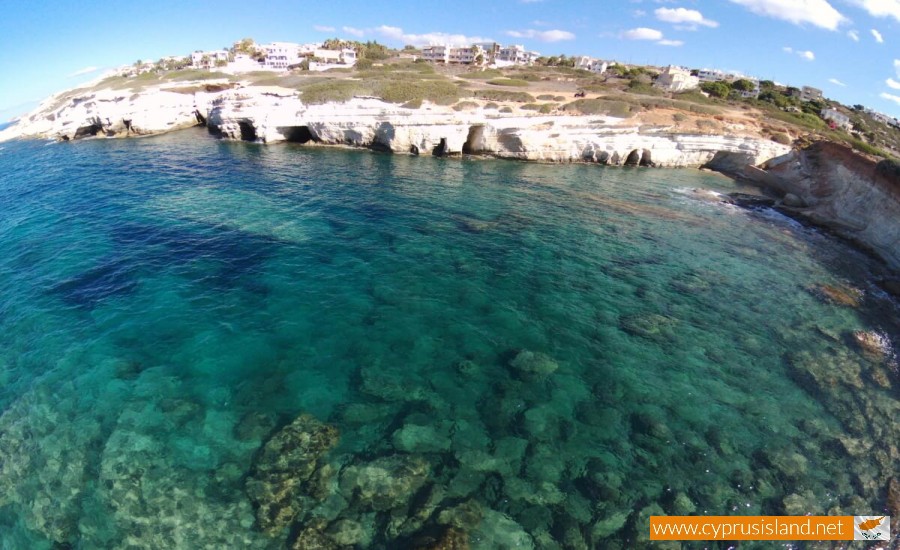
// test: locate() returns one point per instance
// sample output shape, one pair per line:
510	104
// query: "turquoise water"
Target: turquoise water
538	356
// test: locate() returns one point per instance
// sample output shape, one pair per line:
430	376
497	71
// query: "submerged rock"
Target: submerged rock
651	326
282	468
840	295
874	346
385	483
412	438
449	538
532	363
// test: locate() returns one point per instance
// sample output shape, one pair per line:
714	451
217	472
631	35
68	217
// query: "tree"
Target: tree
716	89
743	85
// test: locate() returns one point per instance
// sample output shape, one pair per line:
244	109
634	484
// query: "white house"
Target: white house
676	79
242	63
281	55
436	53
808	93
332	59
592	64
839	119
210	59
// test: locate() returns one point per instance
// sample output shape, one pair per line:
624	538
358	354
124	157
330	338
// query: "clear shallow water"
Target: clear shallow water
170	303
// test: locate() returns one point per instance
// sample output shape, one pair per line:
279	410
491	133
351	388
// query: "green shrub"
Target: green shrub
508	82
190	74
546	97
504	95
491	105
783	139
364	64
694	97
544	108
679	117
486	74
465	106
639	87
866	148
331	91
440	92
414	104
506	110
619	109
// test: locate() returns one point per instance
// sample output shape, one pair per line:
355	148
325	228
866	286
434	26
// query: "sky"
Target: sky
848	48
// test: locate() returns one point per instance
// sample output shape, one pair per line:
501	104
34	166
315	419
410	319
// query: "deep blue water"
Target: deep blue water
168	304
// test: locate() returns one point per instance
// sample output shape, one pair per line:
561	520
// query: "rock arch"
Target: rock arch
633	158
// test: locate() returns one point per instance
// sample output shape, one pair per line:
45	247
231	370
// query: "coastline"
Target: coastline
269	114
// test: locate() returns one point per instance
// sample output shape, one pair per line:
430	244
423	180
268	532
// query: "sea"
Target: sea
214	344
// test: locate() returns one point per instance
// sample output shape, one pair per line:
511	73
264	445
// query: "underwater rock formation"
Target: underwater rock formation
283	467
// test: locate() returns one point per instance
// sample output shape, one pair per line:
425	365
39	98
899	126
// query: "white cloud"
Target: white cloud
683	15
642	33
837	82
554	35
805	54
877	36
397	34
324	28
354	31
816	12
892	83
638	13
880	8
665	42
891	97
854	36
84	71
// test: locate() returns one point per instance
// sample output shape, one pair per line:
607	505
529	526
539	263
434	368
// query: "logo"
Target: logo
871	527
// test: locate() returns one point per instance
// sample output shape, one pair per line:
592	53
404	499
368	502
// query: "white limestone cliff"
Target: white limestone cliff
268	115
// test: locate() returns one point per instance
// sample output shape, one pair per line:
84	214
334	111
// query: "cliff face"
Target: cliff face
832	186
268	115
443	131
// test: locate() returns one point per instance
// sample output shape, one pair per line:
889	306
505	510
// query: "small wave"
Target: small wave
775	216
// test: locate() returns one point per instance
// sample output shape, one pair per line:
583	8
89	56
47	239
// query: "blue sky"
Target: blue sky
848	48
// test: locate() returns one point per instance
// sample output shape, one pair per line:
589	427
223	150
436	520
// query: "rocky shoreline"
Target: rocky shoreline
271	114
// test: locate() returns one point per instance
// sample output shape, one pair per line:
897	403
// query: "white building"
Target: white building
332	59
436	53
210	59
281	55
676	79
808	93
592	64
242	63
839	119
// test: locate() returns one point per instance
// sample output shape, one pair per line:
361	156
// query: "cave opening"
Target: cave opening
474	141
248	132
633	158
296	134
441	149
